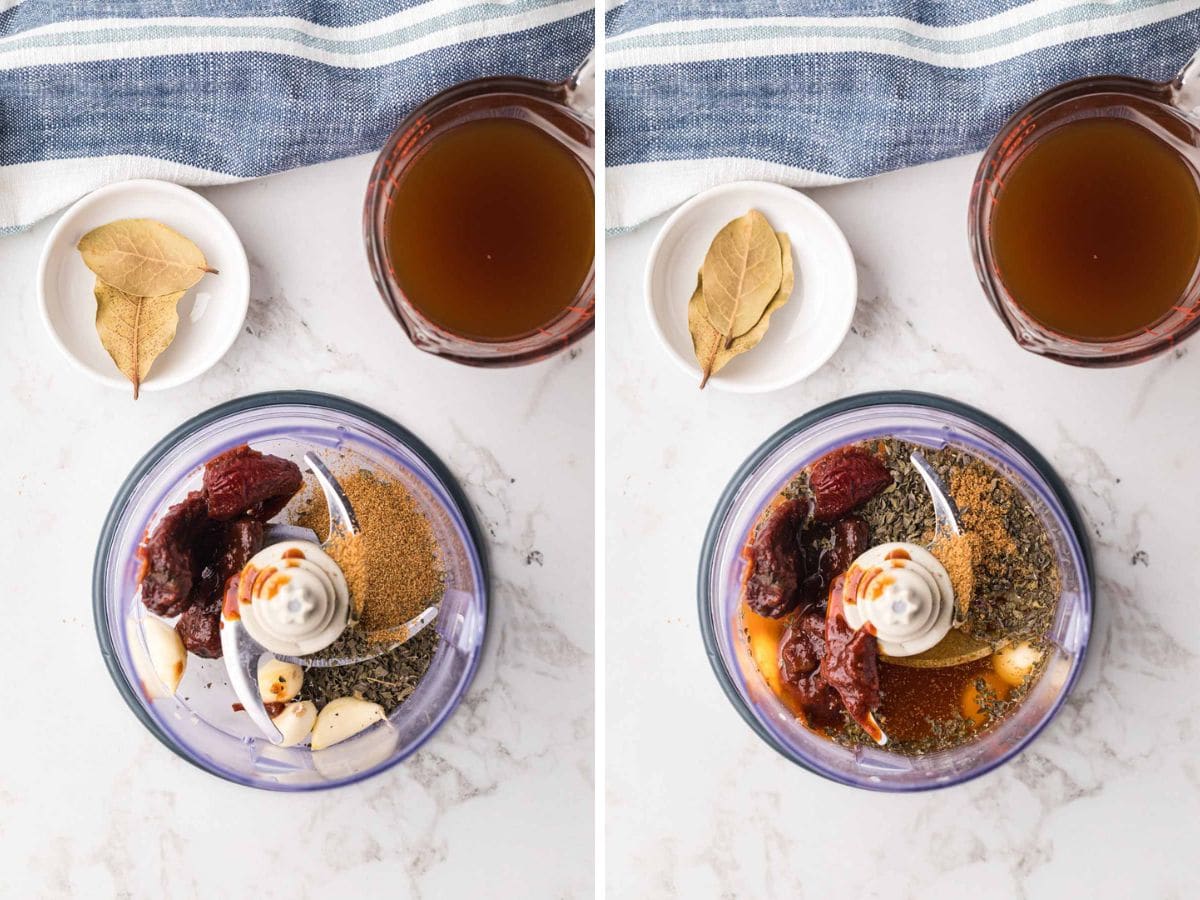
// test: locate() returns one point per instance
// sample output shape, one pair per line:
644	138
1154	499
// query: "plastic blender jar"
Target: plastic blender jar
198	722
931	422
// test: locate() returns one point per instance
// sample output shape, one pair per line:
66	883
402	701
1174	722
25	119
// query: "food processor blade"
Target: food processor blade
277	534
945	511
242	655
341	513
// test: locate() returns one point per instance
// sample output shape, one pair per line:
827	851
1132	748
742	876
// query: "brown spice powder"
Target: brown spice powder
1016	580
958	554
984	505
392	565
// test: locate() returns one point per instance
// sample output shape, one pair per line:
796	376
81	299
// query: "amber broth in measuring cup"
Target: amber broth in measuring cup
491	229
480	220
1096	228
1085	221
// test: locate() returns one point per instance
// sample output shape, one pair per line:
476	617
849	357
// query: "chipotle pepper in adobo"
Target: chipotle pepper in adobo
800	651
242	539
244	482
200	625
776	562
851	665
847	539
195	550
169	567
200	630
845	479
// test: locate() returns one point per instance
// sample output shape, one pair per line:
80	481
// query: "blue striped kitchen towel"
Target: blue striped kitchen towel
813	92
212	91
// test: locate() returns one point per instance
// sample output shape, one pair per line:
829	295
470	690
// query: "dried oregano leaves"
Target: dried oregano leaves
746	276
142	270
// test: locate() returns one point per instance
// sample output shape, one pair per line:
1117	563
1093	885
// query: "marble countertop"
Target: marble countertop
92	806
1103	804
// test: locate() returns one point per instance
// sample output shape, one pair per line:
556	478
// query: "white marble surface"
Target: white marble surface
498	803
1103	804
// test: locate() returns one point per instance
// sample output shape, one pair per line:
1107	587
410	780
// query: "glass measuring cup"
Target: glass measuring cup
1171	111
565	112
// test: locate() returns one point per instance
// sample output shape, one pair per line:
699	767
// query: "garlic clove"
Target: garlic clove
167	655
343	718
973	702
1015	662
279	681
296	722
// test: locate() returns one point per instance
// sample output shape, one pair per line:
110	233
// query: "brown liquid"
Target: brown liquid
490	230
910	698
1096	228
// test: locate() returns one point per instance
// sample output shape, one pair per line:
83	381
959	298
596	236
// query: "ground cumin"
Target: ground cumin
392	565
1016	579
984	502
958	554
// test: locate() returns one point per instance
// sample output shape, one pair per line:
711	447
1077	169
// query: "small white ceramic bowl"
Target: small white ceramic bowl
210	314
805	333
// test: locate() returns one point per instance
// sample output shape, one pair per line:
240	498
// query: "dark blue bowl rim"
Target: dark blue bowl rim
861	401
232	407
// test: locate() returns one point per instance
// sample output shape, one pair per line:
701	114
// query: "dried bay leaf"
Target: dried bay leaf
706	340
143	258
955	649
709	344
742	271
135	330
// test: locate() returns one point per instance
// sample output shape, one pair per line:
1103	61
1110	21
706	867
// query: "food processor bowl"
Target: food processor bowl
927	421
198	722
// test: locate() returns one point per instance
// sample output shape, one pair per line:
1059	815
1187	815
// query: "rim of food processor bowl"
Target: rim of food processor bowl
1030	334
567	328
258	401
804	422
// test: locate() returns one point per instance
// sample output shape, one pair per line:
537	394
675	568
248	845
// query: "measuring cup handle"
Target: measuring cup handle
1185	89
580	89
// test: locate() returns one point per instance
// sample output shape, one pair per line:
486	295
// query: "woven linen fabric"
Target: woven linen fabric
212	91
816	92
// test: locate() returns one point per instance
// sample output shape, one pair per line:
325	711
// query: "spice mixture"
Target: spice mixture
1014	580
394	572
1002	569
958	553
392	564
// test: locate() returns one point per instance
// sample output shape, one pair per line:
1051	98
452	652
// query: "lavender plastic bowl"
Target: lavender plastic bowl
198	723
930	421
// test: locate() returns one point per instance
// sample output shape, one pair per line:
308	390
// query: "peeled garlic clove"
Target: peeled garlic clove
973	701
295	722
167	655
343	718
1015	662
278	681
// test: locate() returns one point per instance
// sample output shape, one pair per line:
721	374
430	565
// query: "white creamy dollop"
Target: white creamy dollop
903	594
293	599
